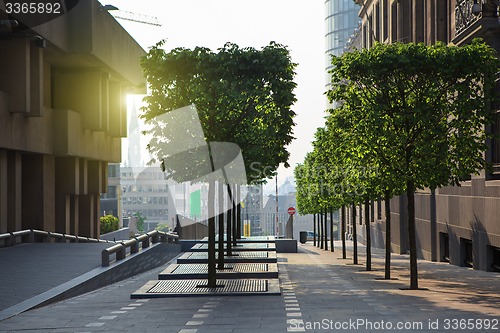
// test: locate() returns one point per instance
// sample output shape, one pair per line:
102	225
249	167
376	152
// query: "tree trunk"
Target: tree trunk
229	222
387	202
326	229
342	232
410	192
322	236
354	236
235	215
212	277
368	236
238	219
332	248
220	259
314	228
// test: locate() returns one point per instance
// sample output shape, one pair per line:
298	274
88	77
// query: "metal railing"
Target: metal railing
464	17
134	245
12	238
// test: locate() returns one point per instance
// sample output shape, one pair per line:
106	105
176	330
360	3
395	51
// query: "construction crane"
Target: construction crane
130	16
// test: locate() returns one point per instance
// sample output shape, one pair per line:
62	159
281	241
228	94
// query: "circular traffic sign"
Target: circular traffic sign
291	210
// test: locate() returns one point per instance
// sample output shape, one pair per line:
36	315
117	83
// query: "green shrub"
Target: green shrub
109	223
162	227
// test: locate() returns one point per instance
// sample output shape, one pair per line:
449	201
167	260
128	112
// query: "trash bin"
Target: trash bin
303	237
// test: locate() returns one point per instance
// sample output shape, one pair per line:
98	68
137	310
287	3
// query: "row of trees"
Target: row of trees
407	117
242	96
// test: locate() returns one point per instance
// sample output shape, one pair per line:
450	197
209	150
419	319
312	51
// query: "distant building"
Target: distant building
145	191
341	23
251	210
62	117
273	223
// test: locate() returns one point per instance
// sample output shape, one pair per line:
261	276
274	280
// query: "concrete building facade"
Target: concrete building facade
460	225
62	115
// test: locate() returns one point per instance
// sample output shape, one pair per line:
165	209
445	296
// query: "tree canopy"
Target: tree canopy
242	95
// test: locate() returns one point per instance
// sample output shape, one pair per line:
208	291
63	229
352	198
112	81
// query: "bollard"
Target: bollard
104	258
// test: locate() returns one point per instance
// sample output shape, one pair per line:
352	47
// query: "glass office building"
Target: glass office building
341	23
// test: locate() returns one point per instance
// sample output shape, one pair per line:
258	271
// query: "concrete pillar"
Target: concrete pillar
23	77
14	190
74	214
117	110
36	81
86	215
16	82
97	184
62	215
84	179
96	226
430	22
97	177
403	222
442	18
67	184
4	194
433	227
37	191
105	102
404	21
418	21
393	25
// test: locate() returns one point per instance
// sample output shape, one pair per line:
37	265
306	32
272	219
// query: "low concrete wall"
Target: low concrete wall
286	246
122	234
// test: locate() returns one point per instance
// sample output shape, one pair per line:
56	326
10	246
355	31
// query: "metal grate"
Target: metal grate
203	268
192	287
245	255
239	247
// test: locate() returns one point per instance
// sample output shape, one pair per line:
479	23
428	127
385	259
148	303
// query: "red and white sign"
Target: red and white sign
291	210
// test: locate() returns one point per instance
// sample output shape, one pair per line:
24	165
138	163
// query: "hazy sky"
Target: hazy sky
299	24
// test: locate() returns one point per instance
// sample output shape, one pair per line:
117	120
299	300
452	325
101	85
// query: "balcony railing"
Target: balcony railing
464	17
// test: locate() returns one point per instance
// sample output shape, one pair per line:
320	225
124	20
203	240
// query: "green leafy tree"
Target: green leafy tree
109	223
140	221
421	109
242	95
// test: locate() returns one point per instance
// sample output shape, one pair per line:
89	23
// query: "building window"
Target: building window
466	252
495	259
445	246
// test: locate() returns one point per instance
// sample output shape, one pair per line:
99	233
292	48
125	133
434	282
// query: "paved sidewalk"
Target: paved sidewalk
32	268
321	293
